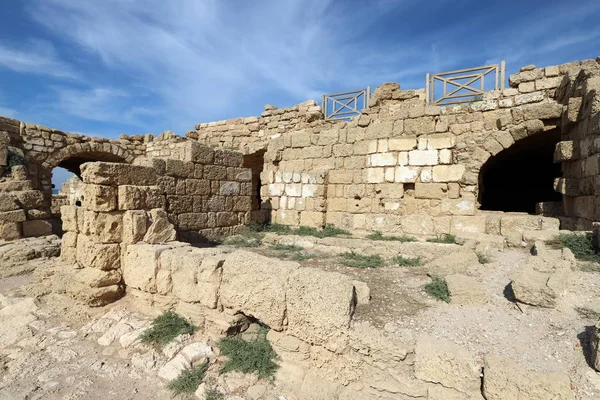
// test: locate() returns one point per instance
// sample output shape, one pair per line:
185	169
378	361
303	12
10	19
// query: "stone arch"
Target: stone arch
518	171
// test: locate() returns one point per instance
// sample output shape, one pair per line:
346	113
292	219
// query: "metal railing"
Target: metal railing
460	86
345	105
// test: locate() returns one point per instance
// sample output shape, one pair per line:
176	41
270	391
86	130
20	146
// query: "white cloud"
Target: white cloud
37	57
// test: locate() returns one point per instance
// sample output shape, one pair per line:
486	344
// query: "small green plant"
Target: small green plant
361	261
246	239
13	159
408	261
249	355
438	288
581	245
286	247
214	395
444	238
483	259
167	327
328	231
587	313
379	236
189	379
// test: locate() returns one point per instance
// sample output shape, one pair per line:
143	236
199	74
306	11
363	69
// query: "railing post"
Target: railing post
502	73
427	88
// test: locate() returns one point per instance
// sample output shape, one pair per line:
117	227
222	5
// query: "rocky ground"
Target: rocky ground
54	348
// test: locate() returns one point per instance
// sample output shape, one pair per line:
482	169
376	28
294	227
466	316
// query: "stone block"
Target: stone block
13	216
430	190
104	227
542	111
319	304
96	278
265	298
448	173
468	225
505	379
383	159
293	189
135	224
418	225
229	188
140	266
195	152
179	169
68	215
99	198
533	97
565	151
192	221
312	218
14	186
214	172
114	174
443	362
459	206
406	174
423	157
375	175
438	142
341	176
8	202
419	126
97	255
30	198
160	230
195	274
36	228
140	197
10	230
402	144
465	290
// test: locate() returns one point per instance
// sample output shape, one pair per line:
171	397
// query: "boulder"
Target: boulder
542	279
465	290
140	266
453	263
320	304
256	286
444	362
161	230
505	379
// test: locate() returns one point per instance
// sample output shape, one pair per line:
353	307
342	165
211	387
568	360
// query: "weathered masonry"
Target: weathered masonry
498	165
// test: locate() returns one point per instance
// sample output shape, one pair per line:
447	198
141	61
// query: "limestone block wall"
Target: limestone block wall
239	132
579	150
402	159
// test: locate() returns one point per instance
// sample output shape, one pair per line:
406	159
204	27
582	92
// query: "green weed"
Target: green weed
249	355
483	259
167	327
189	379
445	238
246	239
379	236
582	246
438	288
408	261
361	261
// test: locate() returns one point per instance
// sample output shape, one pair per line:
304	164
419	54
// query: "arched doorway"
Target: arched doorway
517	178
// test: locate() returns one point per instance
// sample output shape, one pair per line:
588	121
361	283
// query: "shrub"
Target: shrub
249	356
483	259
582	246
328	231
408	261
214	395
167	327
445	238
13	159
379	236
587	313
286	247
438	288
361	261
189	379
247	239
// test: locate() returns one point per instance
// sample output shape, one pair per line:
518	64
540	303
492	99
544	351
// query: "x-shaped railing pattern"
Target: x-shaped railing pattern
345	105
460	86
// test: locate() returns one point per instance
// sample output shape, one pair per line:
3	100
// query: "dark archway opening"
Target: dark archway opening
517	178
66	183
256	162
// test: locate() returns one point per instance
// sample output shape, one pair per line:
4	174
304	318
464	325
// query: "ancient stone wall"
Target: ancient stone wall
403	166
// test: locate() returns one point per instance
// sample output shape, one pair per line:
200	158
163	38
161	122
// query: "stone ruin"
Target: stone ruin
512	168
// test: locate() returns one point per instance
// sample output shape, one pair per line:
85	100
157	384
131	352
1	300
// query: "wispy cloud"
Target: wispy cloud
158	64
37	57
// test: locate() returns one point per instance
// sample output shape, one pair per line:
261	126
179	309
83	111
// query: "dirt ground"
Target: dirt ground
60	362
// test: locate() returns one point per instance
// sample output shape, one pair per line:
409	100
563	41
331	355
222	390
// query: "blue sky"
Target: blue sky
105	67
